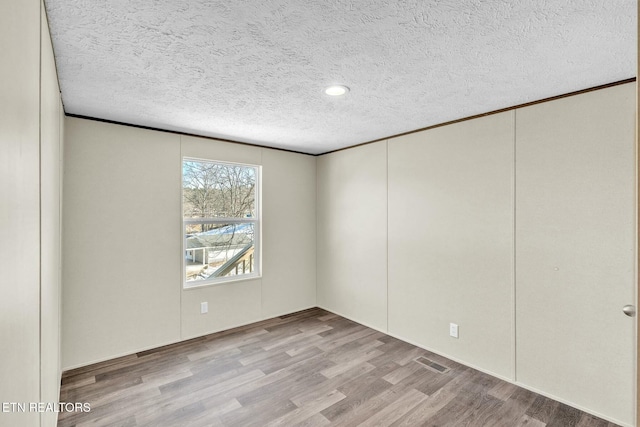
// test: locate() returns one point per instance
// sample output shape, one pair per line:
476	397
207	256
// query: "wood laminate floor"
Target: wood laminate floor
311	368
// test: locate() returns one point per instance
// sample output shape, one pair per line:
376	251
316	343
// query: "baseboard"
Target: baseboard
408	341
118	355
573	405
454	359
478	368
182	339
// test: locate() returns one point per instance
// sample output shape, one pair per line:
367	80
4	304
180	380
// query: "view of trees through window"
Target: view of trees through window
220	219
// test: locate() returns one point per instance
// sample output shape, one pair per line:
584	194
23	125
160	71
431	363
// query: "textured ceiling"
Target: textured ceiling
254	70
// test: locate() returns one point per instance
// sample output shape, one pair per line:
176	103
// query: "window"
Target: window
221	221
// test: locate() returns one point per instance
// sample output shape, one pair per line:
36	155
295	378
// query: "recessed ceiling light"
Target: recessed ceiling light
336	90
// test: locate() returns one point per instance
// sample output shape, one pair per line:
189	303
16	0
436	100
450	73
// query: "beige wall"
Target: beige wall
121	221
289	232
19	206
575	249
123	241
51	122
451	240
456	196
352	234
29	213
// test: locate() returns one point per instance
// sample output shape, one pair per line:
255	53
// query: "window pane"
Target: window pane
218	190
219	250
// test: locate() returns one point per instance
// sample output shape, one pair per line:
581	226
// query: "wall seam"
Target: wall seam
262	227
60	117
387	230
182	268
317	234
40	416
513	280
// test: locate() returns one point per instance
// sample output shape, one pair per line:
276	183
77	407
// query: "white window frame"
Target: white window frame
257	250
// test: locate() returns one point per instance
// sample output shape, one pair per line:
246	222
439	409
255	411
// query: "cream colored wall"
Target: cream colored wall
51	118
289	232
121	219
19	207
30	144
452	195
575	249
451	240
122	186
352	234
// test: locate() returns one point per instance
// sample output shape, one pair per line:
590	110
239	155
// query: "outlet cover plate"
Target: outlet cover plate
453	330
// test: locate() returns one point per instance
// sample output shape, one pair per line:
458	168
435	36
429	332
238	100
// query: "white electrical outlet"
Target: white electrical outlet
453	330
204	307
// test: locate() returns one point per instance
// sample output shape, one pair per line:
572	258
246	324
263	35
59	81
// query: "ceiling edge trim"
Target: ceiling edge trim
502	110
477	116
114	122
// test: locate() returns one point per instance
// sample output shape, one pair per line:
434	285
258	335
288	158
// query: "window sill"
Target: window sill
228	281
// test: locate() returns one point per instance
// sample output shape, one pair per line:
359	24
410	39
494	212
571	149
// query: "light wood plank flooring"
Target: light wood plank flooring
311	368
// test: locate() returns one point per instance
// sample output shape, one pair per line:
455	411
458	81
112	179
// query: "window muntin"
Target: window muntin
221	221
